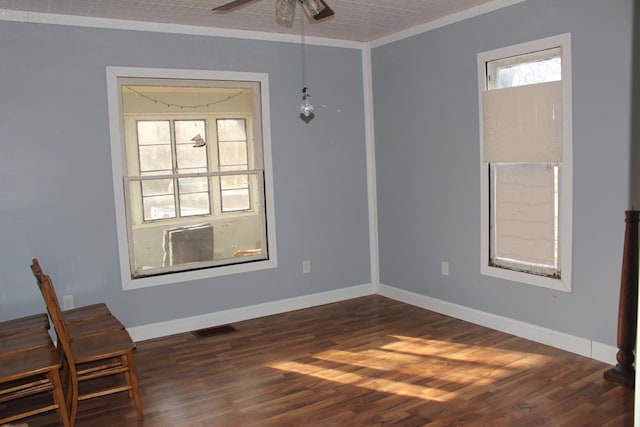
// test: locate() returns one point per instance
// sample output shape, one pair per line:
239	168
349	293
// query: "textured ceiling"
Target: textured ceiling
355	20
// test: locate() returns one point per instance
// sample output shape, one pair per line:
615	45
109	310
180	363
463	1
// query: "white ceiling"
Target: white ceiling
355	20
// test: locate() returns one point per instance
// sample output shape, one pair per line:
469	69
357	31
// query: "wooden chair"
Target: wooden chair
83	321
30	365
92	357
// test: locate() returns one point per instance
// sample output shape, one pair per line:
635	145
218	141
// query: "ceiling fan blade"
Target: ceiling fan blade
231	5
326	12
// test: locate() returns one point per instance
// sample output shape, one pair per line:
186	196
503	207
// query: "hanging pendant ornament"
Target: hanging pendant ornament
199	141
306	109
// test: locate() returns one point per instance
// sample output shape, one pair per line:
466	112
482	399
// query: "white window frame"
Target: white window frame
118	160
565	171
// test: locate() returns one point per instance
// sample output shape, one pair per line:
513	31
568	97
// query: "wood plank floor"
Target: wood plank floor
369	361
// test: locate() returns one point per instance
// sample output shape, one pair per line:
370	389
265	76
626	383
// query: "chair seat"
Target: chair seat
93	326
23	364
85	312
24	324
99	347
24	341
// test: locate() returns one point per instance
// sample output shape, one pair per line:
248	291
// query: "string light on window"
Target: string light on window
182	106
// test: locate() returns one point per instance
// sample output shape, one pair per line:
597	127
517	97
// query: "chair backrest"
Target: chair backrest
41	277
53	308
55	314
37	270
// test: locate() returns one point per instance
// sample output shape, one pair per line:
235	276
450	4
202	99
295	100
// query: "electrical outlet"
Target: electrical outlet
444	268
67	302
306	266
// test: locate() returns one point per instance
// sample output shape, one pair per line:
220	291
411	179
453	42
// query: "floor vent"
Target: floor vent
213	331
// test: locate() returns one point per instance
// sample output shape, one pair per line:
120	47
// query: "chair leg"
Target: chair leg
58	397
133	377
72	398
124	361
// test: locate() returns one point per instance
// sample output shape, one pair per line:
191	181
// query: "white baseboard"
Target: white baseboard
186	324
581	346
604	353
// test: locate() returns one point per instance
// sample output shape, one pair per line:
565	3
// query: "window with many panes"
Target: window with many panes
525	106
191	175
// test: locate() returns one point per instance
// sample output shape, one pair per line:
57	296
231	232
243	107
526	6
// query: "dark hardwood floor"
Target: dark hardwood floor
369	361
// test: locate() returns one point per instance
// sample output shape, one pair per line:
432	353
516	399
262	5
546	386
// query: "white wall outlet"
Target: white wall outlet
67	302
306	266
444	268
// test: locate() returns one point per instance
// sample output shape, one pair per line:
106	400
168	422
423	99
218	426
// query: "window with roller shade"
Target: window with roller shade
526	170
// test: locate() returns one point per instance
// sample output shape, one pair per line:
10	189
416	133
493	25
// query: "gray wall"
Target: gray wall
57	198
427	162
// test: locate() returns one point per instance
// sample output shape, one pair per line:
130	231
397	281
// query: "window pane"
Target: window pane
189	153
233	168
154	132
525	217
234	181
232	130
157	187
193	185
186	130
155	157
158	207
235	200
540	66
527	73
191	157
194	204
232	153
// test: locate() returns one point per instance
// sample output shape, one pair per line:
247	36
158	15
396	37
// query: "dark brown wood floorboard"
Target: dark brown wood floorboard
369	361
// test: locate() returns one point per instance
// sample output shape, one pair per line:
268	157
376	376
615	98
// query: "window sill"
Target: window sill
186	276
562	285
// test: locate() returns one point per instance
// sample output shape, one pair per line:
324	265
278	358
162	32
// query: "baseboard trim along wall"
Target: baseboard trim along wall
582	346
577	345
186	324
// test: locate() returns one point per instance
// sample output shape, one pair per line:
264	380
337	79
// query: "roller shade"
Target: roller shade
523	124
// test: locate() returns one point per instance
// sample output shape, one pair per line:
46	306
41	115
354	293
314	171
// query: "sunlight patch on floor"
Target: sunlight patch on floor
453	370
485	355
355	379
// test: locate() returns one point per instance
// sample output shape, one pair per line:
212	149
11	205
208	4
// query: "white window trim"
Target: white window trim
117	161
566	169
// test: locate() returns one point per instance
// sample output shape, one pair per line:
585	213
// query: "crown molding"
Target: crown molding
444	21
120	24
